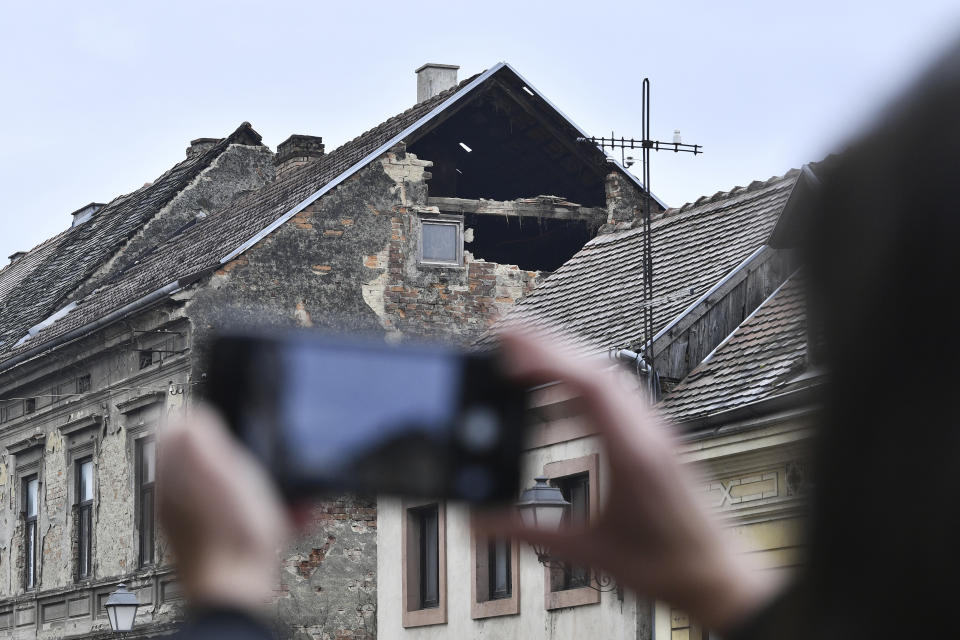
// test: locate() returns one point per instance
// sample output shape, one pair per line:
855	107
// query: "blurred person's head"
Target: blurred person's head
883	264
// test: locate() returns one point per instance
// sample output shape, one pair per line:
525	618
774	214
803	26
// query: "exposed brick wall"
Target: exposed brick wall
454	303
624	203
328	583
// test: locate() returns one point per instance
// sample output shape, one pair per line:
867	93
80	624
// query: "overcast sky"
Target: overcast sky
100	97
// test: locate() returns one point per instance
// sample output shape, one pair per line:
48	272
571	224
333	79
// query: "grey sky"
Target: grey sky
102	97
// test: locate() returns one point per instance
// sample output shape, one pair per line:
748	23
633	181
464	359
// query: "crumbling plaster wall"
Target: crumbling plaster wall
350	263
624	203
111	359
450	303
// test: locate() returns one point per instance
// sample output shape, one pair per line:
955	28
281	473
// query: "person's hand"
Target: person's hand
220	512
653	533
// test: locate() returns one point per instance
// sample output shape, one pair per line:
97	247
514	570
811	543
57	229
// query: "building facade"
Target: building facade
430	225
729	340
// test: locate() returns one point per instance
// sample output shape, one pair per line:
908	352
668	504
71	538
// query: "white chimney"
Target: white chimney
435	78
676	136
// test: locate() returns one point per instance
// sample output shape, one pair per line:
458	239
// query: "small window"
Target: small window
495	569
441	242
146	471
576	491
83	384
146	358
3	413
29	405
570	585
31	508
84	518
500	585
424	564
429	566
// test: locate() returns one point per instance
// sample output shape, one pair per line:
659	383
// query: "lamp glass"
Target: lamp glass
121	616
112	615
549	516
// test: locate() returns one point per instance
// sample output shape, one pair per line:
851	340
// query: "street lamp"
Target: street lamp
121	608
542	507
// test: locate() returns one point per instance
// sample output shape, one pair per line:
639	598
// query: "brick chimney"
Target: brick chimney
200	145
435	78
295	151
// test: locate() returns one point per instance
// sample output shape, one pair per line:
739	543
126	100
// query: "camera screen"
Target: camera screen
325	414
338	403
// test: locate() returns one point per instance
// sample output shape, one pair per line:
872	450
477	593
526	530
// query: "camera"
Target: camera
327	414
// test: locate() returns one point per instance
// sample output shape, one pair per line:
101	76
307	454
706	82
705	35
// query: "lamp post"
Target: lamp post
542	507
121	608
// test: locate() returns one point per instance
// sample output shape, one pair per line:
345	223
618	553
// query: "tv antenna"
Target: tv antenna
645	360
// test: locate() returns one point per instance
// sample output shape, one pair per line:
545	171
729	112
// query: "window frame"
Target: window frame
84	515
455	221
146	550
84	384
589	465
31	576
414	614
482	605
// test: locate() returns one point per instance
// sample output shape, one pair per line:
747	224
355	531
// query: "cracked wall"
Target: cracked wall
349	262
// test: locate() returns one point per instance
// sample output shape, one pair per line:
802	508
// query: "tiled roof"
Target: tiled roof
37	284
196	249
596	296
757	361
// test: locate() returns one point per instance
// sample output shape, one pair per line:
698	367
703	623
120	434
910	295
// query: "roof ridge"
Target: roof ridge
738	190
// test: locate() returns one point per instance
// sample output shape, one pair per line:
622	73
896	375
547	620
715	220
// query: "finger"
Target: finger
617	413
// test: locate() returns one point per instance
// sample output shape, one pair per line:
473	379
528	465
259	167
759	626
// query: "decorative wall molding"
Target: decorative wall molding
81	606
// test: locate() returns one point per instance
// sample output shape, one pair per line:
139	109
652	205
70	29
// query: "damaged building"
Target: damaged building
729	340
431	225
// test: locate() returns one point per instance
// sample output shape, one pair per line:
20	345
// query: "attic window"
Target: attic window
441	241
29	405
465	147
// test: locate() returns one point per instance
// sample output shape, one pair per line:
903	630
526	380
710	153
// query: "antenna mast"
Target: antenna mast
646	144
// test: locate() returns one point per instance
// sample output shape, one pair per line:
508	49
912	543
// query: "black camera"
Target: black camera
328	414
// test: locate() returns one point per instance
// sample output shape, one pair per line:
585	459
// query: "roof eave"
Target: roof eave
802	397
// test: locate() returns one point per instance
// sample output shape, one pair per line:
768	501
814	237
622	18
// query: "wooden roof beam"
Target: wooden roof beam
540	207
